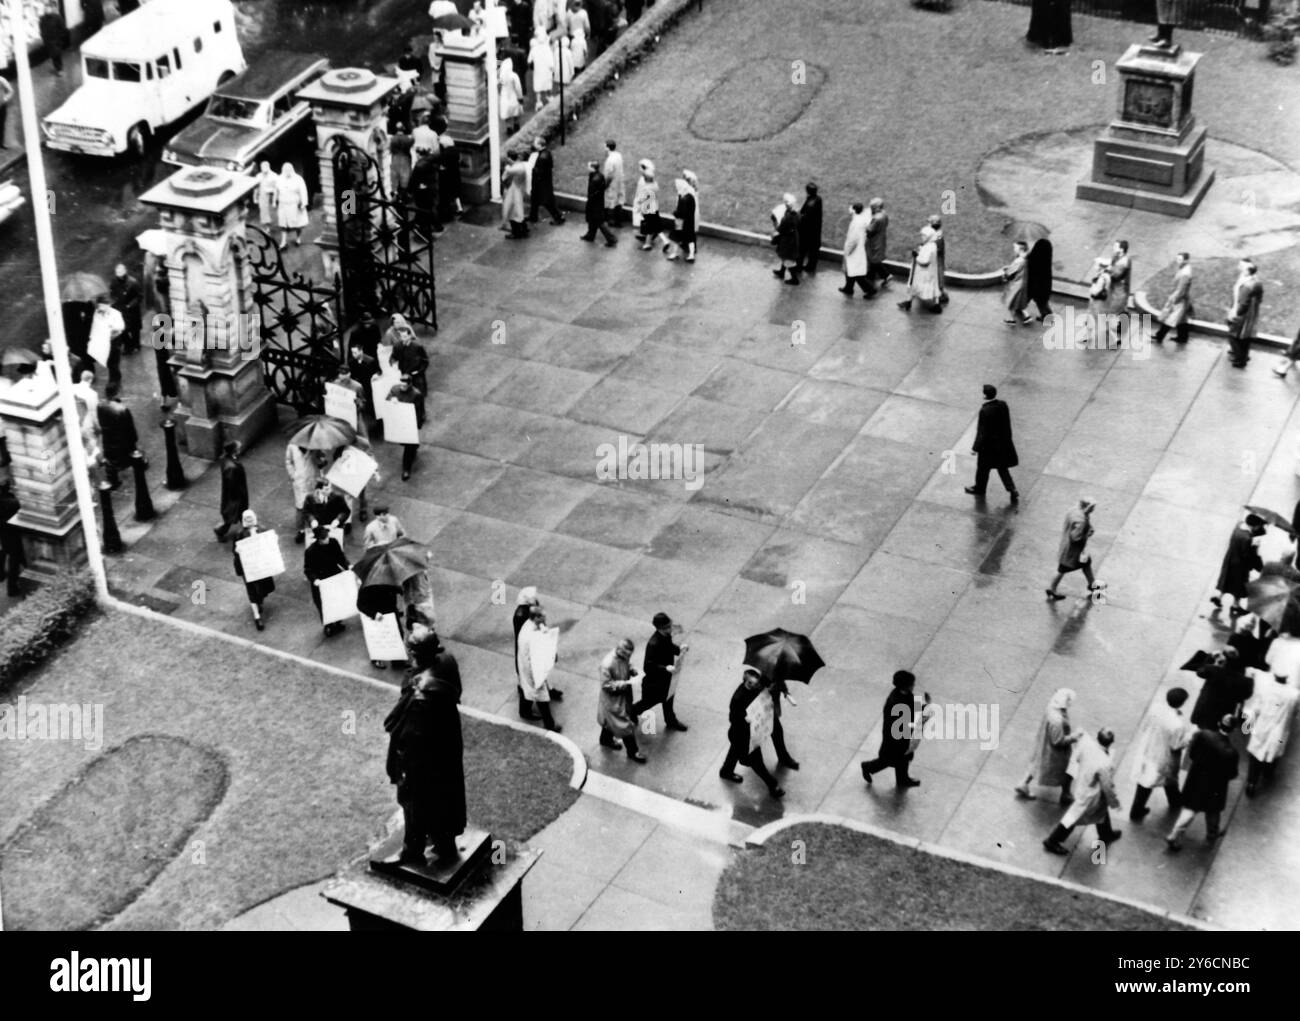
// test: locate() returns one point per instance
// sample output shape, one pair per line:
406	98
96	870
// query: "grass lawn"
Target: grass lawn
854	881
895	101
224	778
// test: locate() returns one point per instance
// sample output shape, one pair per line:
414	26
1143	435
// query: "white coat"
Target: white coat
1283	657
291	201
1268	714
925	277
855	246
543	65
615	188
1094	783
533	683
301	469
1160	747
512	91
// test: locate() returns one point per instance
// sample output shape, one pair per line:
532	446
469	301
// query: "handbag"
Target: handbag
1100	286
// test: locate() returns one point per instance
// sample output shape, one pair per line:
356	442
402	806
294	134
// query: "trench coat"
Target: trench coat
1178	306
1094	784
614	709
855	246
533	684
877	236
787	236
993	443
291	202
1246	297
263	587
514	203
1052	755
1268	716
300	466
1015	292
1241	557
1160	748
1074	537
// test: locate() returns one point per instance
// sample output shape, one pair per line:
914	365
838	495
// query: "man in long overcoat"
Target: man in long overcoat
786	221
1247	293
901	726
1177	310
1094	775
1159	753
738	732
877	245
993	445
810	229
1240	558
234	490
614	706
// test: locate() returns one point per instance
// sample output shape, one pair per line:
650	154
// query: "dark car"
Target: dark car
256	116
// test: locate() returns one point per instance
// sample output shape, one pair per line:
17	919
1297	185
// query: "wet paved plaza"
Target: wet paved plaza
836	441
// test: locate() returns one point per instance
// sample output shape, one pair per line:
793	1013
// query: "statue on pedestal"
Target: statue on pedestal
1169	13
425	754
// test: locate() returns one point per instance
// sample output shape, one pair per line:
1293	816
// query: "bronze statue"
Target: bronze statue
1168	14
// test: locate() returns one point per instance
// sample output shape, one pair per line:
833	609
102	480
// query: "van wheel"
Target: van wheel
137	140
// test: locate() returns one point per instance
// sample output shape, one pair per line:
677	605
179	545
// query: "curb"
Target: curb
760	837
577	780
708	824
1268	340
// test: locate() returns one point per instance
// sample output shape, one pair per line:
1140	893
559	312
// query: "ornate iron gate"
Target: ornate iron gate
1243	18
385	242
300	338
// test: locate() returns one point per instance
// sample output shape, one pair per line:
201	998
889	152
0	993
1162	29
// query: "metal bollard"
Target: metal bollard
175	473
112	537
143	503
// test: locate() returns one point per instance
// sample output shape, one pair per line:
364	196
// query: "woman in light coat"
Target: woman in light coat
1159	753
512	95
543	65
531	666
301	467
514	195
267	187
292	203
1015	290
645	207
1051	756
579	32
1268	714
855	251
924	286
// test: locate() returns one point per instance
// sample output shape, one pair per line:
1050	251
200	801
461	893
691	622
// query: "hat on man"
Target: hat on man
661	619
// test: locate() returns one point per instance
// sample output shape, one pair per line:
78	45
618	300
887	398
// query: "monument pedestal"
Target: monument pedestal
472	894
1152	157
465	72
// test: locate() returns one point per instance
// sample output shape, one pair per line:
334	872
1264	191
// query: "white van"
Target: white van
144	71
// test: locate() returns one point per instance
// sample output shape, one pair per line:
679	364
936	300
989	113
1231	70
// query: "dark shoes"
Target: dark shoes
1053	595
608	742
637	757
1051	845
911	781
733	777
776	792
845	290
788	763
1015	496
556	695
866	774
974	492
676	725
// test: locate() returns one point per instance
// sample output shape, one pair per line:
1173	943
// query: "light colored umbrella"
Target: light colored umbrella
321	432
83	287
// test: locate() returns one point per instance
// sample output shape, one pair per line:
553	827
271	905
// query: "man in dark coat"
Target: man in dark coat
12	557
751	688
1224	689
1241	557
786	221
234	490
323	559
366	336
127	298
376	601
117	428
595	213
1213	767
810	229
543	191
901	726
326	508
662	657
877	245
54	35
426	762
423	189
1243	316
993	446
1038	277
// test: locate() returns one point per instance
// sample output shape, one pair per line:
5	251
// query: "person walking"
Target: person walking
107	324
941	251
877	246
323	558
810	229
786	221
1015	292
1243	314
1288	360
450	205
923	284
579	33
524	604
663	657
614	708
407	354
1225	687
1267	720
532	681
1177	310
777	691
384	528
119	438
407	392
401	148
1239	560
127	297
855	252
686	218
301	466
901	727
1214	764
615	186
512	96
1109	302
12	556
543	183
6	94
645	206
422	190
291	203
1070	555
268	189
1038	277
1056	739
514	199
752	688
234	491
595	214
256	591
325	508
54	35
543	66
993	447
1094	772
1160	751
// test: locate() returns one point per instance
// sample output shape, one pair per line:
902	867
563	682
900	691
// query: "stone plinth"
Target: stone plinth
465	72
351	103
213	326
42	476
1152	155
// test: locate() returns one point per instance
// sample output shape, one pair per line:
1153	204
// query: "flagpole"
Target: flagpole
40	207
494	103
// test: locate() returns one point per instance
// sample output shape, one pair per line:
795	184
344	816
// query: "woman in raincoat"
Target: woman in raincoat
292	203
1051	755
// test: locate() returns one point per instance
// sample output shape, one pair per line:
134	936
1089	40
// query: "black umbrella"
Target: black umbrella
782	655
452	22
1272	517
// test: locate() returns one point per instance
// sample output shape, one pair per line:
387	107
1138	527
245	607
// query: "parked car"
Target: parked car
144	71
256	116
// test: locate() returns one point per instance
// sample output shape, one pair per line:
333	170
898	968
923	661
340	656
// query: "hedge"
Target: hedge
35	628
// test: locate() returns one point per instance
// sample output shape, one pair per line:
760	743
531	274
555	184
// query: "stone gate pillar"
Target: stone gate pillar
42	476
351	103
465	69
213	327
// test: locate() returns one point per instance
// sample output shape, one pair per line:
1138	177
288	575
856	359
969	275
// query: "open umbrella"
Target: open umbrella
18	356
321	432
1028	232
442	8
391	564
782	655
1275	595
83	287
452	22
1272	517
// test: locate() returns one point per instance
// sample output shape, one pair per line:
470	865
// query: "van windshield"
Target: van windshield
231	109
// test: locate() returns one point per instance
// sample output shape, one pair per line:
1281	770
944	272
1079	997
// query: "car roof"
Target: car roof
132	36
269	73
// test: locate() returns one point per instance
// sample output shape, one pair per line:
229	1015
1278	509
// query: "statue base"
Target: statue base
474	846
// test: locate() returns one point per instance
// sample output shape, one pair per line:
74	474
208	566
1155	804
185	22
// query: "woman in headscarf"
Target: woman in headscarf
291	201
685	213
512	95
645	207
1055	741
524	604
267	187
1038	277
924	285
579	32
257	590
514	198
543	65
786	239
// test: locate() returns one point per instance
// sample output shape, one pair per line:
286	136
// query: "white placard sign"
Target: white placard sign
760	717
400	424
100	345
338	597
341	403
383	638
352	471
259	556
